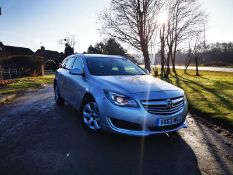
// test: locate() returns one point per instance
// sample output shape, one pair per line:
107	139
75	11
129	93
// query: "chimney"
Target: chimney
42	48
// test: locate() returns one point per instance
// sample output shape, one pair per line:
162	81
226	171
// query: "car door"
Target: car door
66	78
77	84
60	76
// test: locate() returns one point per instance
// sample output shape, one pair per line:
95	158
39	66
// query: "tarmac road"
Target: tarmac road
39	137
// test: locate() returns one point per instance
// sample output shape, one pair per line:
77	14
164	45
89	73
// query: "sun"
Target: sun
162	18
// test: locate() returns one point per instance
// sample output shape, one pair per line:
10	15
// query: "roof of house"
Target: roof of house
49	54
12	50
22	51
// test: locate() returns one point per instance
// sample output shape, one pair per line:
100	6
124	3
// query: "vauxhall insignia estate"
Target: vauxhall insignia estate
114	94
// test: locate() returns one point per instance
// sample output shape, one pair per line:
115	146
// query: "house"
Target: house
51	58
7	52
50	55
20	61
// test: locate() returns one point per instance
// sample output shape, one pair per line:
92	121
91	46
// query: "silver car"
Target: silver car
112	93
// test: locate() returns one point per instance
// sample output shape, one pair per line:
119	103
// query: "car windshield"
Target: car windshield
112	66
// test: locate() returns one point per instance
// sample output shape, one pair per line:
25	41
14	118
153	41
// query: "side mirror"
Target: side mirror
147	72
60	65
76	71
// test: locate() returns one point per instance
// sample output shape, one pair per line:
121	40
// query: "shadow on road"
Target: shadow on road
48	139
71	149
213	144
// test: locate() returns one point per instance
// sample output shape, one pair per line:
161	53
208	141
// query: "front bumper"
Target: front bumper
137	117
146	132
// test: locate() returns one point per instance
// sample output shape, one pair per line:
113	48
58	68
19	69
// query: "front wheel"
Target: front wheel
90	115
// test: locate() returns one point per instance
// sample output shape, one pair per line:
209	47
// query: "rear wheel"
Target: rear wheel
59	100
90	115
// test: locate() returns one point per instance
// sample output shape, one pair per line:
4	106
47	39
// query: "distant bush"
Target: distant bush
5	82
217	64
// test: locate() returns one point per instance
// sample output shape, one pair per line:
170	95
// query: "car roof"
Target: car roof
97	56
102	56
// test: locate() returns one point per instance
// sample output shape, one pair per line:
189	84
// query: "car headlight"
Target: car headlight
185	98
120	99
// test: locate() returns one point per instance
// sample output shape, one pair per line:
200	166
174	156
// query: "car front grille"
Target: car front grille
164	106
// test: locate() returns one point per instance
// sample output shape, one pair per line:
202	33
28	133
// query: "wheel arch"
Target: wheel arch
87	95
54	82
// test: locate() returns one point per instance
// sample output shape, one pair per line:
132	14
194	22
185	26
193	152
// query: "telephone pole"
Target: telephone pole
204	37
204	45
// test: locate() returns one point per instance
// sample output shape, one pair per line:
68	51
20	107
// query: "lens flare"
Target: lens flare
162	18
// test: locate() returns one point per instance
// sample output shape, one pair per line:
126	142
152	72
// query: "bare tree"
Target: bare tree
196	46
162	49
68	39
185	19
133	22
191	52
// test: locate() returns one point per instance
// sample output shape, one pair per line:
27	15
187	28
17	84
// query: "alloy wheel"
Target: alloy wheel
91	116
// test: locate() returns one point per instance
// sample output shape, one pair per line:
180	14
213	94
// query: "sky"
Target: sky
32	23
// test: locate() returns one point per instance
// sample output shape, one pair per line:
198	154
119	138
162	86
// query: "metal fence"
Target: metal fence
8	72
49	72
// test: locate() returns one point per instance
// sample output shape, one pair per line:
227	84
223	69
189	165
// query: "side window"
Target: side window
63	65
130	69
69	63
78	63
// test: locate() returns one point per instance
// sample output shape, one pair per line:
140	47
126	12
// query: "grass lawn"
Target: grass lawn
210	95
27	83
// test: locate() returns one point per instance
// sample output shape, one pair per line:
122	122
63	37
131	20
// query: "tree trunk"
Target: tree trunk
146	57
188	60
162	51
162	61
173	65
168	65
174	61
169	57
197	74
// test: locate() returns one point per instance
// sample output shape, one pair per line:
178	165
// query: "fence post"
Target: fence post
1	77
9	70
42	70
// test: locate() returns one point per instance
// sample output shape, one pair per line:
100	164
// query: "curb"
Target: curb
4	98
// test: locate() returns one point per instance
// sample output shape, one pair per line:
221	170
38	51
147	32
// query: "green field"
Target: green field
27	83
210	95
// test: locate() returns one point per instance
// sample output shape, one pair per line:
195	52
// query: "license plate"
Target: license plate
169	121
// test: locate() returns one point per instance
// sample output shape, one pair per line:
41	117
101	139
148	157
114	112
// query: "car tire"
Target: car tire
90	115
174	134
59	100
